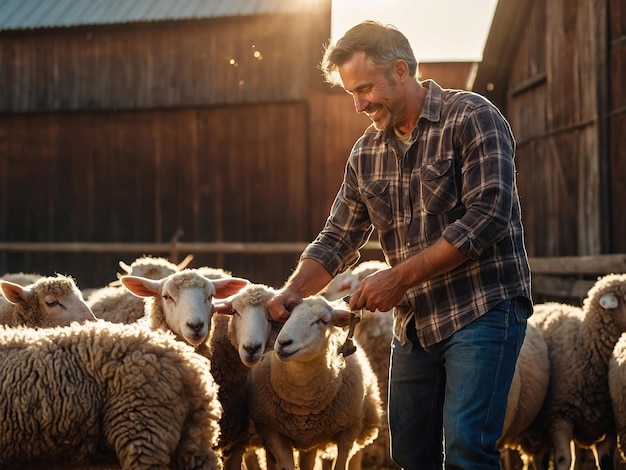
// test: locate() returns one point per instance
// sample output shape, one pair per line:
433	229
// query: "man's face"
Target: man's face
374	93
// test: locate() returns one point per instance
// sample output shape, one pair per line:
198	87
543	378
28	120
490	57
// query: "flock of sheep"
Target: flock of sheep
181	368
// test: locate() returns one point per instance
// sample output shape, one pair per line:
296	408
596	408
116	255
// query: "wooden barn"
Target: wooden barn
170	128
557	69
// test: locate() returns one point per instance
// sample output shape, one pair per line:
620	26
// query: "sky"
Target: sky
438	30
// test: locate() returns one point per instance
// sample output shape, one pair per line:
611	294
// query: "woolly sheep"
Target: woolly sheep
580	343
115	304
86	393
374	334
528	389
50	301
182	303
304	395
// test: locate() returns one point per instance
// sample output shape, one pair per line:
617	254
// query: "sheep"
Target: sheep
115	304
50	301
617	387
182	303
87	393
580	343
521	430
374	334
304	395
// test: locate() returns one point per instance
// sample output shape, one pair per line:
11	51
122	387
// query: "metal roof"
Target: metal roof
34	14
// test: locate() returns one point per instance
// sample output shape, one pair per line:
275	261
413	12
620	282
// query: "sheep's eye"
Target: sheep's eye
52	303
167	297
323	321
235	312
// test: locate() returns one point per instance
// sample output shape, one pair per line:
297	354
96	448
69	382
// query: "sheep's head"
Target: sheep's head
250	330
311	330
183	301
609	295
49	302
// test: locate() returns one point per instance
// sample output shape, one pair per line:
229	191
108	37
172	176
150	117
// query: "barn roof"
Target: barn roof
35	14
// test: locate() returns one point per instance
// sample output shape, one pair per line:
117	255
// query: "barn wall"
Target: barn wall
165	64
225	173
616	174
555	113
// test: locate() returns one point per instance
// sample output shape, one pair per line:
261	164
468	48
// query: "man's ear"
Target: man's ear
401	70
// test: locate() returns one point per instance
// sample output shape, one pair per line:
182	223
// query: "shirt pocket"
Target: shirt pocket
377	197
439	190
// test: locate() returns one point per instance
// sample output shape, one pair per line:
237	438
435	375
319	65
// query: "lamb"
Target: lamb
304	395
580	344
115	304
528	389
182	303
87	393
50	301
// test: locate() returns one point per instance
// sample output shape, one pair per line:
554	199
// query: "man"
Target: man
434	174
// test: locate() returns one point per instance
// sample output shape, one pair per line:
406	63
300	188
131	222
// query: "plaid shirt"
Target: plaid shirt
457	181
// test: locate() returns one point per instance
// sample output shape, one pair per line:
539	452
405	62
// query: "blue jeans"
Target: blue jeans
455	393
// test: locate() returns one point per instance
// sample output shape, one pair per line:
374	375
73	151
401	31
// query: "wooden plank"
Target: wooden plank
557	287
597	264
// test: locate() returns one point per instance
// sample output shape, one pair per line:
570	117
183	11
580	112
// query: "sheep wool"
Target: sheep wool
83	392
50	301
580	344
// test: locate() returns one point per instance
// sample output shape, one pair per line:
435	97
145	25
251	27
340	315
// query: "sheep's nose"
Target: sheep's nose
196	326
285	342
252	349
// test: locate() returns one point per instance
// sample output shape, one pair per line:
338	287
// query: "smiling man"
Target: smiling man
435	176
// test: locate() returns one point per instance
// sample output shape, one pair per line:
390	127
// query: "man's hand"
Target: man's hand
382	291
281	305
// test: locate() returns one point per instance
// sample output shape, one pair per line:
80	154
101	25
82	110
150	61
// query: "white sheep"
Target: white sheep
183	303
521	429
304	395
115	304
50	301
374	334
100	390
580	343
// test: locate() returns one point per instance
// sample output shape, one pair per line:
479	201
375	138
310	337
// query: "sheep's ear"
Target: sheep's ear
15	293
141	286
225	307
341	317
228	286
184	263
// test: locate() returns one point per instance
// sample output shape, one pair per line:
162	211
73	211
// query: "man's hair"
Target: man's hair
382	44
